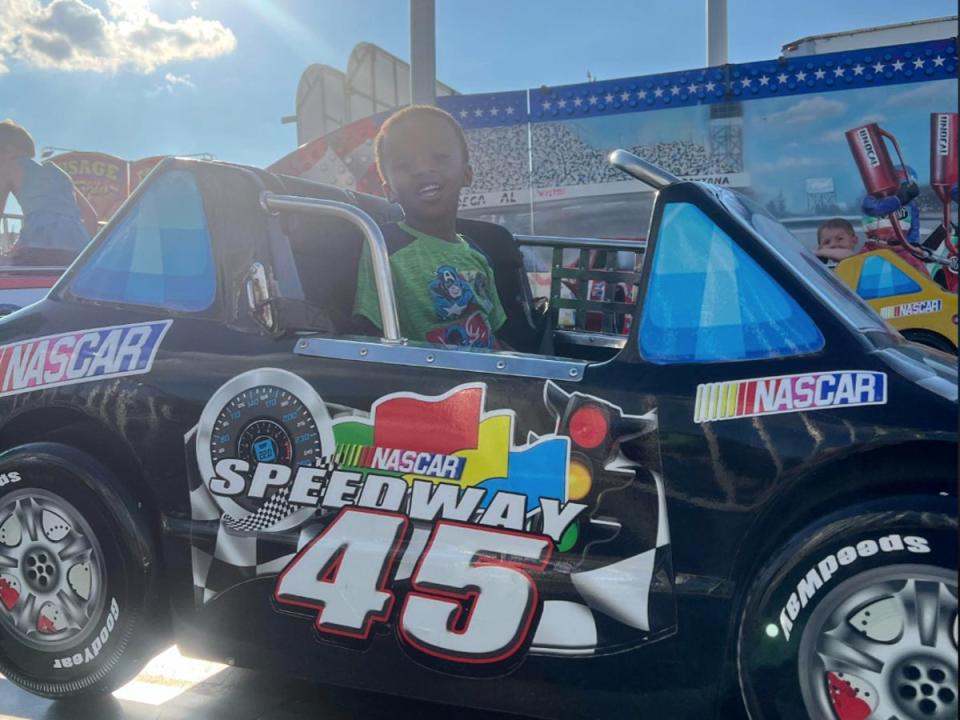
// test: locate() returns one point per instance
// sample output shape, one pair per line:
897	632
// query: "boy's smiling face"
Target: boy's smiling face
425	168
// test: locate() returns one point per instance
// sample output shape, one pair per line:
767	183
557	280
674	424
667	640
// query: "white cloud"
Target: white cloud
922	94
791	162
808	110
838	135
178	80
171	83
73	35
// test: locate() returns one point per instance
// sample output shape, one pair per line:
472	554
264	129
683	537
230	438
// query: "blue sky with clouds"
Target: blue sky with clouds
143	77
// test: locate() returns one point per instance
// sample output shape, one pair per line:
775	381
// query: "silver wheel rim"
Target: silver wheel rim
883	644
52	572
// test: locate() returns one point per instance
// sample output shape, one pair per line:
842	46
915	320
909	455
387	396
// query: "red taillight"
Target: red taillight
589	426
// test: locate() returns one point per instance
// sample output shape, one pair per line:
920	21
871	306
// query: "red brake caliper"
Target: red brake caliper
846	704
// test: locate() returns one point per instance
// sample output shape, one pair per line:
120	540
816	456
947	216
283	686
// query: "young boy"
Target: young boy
445	288
836	240
51	216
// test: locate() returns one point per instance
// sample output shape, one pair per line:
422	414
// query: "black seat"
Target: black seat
523	327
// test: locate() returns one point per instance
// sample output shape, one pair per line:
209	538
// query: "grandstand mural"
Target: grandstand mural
773	129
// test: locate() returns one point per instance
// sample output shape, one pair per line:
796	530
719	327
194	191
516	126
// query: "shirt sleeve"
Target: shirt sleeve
366	301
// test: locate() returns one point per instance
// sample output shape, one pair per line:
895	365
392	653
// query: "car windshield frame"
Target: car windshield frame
848	307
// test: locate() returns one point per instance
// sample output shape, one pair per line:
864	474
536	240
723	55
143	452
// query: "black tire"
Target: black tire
930	339
79	596
828	632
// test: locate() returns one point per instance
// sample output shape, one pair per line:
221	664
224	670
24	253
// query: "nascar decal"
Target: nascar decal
921	307
81	356
788	393
427	505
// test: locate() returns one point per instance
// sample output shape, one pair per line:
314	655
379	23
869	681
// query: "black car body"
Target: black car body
587	526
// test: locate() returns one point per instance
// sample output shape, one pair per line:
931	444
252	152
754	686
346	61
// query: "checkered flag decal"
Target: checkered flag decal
228	551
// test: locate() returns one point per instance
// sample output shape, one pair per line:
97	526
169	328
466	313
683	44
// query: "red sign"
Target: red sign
100	178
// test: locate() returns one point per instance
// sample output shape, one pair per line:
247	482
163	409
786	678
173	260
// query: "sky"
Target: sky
136	78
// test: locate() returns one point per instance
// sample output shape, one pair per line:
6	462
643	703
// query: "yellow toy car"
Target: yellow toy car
911	302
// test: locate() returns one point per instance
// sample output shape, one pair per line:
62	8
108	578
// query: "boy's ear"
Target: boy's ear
467	175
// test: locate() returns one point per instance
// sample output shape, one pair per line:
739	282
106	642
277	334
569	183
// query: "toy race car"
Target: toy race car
921	309
749	501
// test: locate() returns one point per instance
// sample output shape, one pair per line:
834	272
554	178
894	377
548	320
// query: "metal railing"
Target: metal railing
594	277
382	276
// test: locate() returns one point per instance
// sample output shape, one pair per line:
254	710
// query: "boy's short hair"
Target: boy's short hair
412	112
835	224
13	134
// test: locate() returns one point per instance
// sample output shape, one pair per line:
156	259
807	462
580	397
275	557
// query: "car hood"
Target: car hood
931	369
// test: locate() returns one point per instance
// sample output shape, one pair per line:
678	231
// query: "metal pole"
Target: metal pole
423	52
716	32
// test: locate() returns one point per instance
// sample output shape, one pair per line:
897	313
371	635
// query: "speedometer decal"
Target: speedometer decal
262	416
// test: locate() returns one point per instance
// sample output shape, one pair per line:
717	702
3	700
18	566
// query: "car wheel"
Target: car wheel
78	594
931	339
856	620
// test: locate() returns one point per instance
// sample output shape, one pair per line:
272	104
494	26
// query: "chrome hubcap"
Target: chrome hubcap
51	571
883	644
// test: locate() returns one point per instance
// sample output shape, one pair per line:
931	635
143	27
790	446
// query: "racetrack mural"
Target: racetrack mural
773	129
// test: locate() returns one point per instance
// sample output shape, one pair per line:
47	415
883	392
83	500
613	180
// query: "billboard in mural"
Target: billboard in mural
772	129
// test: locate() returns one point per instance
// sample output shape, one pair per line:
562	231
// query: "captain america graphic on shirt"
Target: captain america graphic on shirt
462	303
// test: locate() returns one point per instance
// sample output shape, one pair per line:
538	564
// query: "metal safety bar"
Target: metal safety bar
382	276
653	175
578	243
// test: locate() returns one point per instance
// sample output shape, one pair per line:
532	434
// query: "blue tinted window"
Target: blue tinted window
159	254
710	301
881	278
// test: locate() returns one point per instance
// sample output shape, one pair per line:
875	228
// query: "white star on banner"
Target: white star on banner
692	88
820	73
710	86
478	112
593	99
919	63
938	61
858	69
746	82
624	96
608	98
839	71
764	80
463	113
642	94
546	104
674	90
577	102
782	78
658	92
878	68
561	103
509	111
494	111
898	65
801	76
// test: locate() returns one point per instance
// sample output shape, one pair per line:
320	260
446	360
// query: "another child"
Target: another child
45	193
836	240
446	292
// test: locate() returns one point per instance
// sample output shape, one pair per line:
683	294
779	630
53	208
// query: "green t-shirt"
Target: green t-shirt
446	292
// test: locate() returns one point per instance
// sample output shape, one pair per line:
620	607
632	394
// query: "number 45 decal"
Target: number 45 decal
472	601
